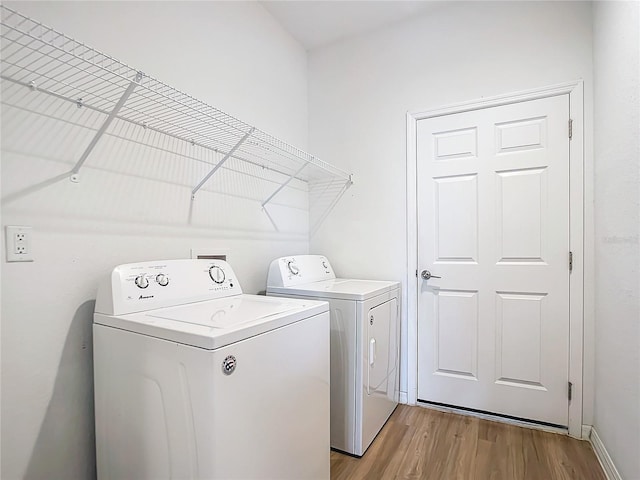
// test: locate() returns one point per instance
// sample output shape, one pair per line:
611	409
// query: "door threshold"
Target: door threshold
494	417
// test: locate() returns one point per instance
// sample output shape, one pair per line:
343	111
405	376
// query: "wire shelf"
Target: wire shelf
42	59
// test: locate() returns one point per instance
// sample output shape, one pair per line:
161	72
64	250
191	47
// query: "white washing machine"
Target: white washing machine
196	380
365	335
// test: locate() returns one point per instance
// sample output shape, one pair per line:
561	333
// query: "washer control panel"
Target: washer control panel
136	287
299	269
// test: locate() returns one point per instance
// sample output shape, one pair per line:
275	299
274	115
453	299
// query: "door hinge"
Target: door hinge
570	390
416	273
570	128
570	262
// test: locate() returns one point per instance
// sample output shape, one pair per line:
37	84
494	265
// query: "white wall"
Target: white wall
616	49
131	204
360	90
234	56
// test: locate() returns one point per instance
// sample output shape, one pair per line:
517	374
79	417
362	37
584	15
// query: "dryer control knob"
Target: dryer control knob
293	268
162	279
217	274
142	281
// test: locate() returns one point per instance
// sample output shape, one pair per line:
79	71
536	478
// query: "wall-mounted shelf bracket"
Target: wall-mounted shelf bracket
103	128
220	163
348	183
284	184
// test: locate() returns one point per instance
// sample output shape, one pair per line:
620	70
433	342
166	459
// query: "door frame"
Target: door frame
575	90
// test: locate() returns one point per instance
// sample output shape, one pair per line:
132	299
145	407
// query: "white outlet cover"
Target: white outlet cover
25	244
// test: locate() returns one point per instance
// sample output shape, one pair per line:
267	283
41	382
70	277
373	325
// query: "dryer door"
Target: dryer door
382	344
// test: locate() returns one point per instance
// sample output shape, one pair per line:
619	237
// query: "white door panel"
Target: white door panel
456	322
493	222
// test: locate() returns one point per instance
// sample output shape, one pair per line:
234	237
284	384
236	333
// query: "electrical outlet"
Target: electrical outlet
18	242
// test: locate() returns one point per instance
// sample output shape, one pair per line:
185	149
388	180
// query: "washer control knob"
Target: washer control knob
324	264
217	274
293	268
162	279
142	281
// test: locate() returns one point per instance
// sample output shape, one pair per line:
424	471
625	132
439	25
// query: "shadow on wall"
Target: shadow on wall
70	415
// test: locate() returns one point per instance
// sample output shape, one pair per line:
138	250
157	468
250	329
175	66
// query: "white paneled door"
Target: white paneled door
493	223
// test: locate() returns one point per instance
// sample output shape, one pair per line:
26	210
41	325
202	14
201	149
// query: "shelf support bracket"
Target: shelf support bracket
220	163
94	141
284	184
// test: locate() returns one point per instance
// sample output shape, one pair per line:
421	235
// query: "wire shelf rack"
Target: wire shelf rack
42	59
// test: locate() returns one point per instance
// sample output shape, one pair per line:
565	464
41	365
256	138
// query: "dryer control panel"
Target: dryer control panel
299	269
136	287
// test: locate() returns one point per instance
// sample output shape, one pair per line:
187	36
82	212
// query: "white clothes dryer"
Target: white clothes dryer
194	379
365	335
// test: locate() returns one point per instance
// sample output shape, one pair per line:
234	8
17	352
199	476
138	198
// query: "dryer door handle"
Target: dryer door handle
372	351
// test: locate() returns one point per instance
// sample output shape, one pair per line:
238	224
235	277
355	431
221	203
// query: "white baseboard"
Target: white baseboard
404	398
609	468
586	432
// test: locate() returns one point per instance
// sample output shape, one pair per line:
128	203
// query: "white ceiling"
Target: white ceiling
318	23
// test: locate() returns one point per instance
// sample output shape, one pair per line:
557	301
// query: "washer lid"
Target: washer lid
215	323
342	288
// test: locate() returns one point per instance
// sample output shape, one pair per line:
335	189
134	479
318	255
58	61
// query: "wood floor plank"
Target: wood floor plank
419	443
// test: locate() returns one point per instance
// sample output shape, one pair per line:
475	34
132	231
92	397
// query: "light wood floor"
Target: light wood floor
420	443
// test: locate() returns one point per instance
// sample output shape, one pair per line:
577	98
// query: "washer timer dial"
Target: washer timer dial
162	279
293	268
217	274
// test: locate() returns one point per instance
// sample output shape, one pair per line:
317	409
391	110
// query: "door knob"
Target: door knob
426	274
